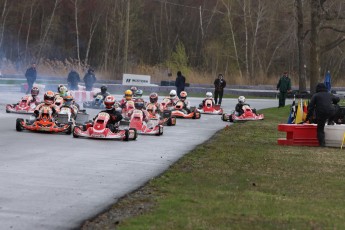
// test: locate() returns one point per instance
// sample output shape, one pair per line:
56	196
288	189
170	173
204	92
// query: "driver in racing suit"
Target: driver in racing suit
209	96
48	101
103	92
186	104
154	104
239	106
115	116
34	95
139	105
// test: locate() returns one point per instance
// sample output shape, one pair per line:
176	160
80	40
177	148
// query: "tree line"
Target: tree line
250	41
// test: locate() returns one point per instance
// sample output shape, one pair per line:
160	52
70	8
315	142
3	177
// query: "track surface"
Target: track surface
54	181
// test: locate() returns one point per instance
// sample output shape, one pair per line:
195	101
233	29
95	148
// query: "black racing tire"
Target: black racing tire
74	135
160	131
7	111
230	118
170	122
69	130
126	137
19	126
224	117
135	133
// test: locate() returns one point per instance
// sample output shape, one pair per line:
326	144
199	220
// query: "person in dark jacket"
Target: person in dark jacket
219	85
73	79
284	86
31	75
89	79
322	104
180	83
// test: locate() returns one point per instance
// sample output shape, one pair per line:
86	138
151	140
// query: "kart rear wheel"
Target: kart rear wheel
160	130
74	132
135	133
7	111
126	137
19	126
230	118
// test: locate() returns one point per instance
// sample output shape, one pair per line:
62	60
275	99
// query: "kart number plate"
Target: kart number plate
98	135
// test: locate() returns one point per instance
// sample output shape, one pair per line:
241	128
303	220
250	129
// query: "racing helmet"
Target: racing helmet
134	90
153	97
241	99
128	94
183	95
62	90
172	93
109	102
35	91
68	99
49	97
104	89
139	103
58	88
209	95
58	101
139	93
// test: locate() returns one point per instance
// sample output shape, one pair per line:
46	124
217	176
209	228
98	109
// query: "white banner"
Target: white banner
134	79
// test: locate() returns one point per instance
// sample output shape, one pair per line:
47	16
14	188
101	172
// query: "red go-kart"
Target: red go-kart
44	123
180	112
98	130
24	106
248	115
210	108
151	127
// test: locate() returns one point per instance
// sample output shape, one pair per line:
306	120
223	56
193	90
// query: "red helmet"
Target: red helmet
153	97
35	91
49	97
139	103
109	102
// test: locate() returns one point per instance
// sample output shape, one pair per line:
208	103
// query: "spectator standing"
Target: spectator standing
327	81
73	79
219	85
322	103
284	86
31	75
89	79
180	83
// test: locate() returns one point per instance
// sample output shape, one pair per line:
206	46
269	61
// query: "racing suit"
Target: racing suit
103	94
115	117
239	108
34	99
186	105
55	109
203	102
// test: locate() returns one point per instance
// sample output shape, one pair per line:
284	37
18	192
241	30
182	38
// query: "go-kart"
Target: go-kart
210	108
25	105
67	115
151	127
164	119
180	112
248	115
97	103
44	123
98	129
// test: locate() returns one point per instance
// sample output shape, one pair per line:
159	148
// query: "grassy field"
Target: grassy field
241	179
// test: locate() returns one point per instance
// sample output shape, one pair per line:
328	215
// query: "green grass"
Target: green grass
241	179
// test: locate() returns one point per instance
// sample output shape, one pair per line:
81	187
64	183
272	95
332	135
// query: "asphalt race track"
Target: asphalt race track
55	181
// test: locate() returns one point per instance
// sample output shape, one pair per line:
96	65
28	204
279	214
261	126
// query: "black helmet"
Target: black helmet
104	89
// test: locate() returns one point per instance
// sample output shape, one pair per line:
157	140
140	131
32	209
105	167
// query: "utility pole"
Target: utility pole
125	65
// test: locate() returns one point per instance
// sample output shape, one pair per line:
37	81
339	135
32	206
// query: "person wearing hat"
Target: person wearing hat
284	86
219	85
89	79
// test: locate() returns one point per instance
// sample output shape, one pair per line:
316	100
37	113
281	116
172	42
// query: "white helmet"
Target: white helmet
172	93
209	95
241	99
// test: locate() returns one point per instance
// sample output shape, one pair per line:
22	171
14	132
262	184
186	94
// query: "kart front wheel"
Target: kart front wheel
69	130
74	132
19	126
224	117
